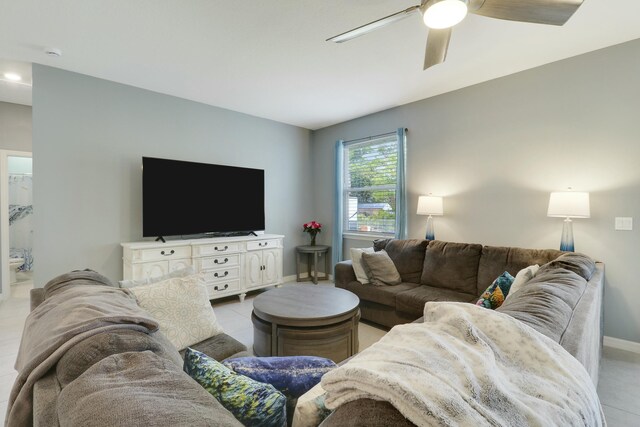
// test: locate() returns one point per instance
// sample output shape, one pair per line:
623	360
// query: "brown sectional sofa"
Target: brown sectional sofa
434	271
563	301
164	395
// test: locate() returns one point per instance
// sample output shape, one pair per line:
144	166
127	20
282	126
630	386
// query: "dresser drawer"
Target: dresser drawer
211	276
149	269
222	288
263	244
218	249
222	261
164	253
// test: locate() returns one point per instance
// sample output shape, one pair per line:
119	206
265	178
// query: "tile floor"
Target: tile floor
619	386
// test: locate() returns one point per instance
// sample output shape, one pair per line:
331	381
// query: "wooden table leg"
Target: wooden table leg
315	268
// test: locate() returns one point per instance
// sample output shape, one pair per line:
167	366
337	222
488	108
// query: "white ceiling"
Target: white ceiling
15	92
270	58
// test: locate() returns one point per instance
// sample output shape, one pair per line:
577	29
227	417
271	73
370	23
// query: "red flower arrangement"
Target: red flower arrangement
313	228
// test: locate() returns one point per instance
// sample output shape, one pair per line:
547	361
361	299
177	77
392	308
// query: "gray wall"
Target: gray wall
89	136
496	150
15	127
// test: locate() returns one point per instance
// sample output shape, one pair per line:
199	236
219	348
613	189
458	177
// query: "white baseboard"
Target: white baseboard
292	278
622	344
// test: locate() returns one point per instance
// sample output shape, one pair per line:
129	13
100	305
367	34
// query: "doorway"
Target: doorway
16	222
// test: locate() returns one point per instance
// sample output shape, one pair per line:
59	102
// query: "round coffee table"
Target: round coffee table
306	320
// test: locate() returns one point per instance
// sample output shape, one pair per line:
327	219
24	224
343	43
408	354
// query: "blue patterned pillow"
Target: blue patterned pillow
293	376
251	402
494	295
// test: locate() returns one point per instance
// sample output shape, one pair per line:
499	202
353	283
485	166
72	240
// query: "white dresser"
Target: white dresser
231	265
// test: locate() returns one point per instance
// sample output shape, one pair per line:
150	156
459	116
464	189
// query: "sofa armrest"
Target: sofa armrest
344	274
36	297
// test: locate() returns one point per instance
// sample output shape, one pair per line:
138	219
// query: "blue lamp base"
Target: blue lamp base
566	242
431	234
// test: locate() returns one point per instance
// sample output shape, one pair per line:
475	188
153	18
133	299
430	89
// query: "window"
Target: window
370	179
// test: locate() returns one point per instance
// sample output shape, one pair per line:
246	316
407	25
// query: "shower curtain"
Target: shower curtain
20	219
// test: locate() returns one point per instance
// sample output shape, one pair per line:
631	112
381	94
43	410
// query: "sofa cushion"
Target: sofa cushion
380	269
139	389
93	349
385	295
453	266
407	255
580	264
412	301
497	259
380	244
547	302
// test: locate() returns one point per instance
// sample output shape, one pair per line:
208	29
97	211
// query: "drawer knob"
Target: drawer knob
226	273
223	289
221	250
169	254
262	245
217	261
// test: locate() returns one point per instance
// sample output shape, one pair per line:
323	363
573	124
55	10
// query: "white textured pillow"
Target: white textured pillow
132	283
182	308
358	266
523	277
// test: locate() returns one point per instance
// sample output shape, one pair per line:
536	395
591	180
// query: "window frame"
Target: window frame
369	141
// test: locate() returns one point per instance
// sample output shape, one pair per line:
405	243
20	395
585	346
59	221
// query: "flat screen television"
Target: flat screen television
182	198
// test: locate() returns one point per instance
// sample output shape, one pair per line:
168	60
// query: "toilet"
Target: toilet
14	265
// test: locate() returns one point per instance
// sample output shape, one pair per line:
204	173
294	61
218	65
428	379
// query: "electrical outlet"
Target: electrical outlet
624	223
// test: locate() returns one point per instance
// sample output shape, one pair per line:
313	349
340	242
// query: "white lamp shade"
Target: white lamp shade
570	204
430	205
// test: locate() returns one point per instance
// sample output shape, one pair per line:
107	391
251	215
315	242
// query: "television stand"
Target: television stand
160	239
230	265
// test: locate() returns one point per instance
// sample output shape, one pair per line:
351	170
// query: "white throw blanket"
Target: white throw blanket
469	366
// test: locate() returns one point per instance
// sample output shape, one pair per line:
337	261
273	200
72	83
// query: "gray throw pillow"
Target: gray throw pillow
380	269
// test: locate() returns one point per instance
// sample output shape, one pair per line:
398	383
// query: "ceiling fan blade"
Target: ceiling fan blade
551	12
371	26
437	46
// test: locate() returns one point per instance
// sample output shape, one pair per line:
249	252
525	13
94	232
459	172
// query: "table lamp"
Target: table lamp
568	204
430	205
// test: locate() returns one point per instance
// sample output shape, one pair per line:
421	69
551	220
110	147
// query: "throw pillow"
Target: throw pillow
251	402
182	308
183	272
310	410
293	376
495	294
380	269
358	265
523	277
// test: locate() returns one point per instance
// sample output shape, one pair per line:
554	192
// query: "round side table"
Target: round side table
312	253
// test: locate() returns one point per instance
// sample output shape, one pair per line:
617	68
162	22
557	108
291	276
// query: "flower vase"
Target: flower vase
313	240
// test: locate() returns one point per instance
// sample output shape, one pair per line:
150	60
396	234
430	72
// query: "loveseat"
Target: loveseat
119	376
563	301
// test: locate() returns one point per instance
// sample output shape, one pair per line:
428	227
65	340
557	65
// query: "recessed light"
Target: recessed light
13	77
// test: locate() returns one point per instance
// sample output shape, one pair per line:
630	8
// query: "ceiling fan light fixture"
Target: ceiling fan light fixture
444	13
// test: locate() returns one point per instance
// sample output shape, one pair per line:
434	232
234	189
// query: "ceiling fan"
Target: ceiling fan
441	15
